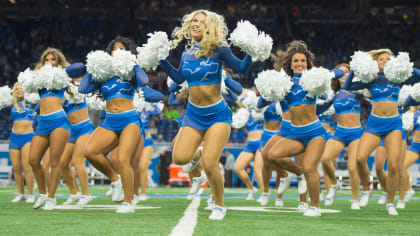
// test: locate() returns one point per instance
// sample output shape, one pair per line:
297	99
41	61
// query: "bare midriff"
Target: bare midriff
118	105
78	116
50	105
272	125
385	108
303	114
205	95
22	126
349	120
254	135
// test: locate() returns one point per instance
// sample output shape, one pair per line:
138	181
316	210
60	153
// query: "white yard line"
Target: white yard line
187	223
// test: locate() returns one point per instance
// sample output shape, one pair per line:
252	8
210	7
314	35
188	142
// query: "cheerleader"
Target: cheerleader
121	125
347	133
81	127
207	116
384	120
306	133
22	115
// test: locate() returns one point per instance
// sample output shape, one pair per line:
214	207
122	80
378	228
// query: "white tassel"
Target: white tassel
279	111
250	101
77	97
123	62
95	103
149	106
330	95
156	49
184	85
408	121
240	118
273	85
6	98
47	77
398	69
256	44
139	102
32	97
25	79
405	91
364	66
100	65
415	92
258	115
316	81
223	88
330	111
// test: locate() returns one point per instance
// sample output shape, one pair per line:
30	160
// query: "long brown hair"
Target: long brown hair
335	84
283	59
59	56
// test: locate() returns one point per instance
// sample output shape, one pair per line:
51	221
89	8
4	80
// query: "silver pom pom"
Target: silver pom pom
184	85
364	66
25	79
139	102
77	97
279	111
256	44
408	121
123	62
47	77
273	85
415	92
316	81
100	65
32	97
6	98
405	91
156	49
240	118
95	103
257	115
250	101
398	69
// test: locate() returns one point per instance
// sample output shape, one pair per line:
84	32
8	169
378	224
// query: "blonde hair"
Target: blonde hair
16	99
213	36
375	53
59	56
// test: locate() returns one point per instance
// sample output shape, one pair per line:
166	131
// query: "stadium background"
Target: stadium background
333	31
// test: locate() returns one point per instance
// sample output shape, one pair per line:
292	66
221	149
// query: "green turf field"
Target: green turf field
170	204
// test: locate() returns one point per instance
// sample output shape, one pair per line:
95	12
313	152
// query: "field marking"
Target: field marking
278	209
187	223
98	207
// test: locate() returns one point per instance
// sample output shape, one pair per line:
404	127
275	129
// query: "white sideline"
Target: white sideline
187	223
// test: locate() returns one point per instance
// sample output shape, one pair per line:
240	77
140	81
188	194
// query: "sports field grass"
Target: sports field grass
170	203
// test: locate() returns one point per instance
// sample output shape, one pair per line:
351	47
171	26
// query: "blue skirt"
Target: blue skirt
118	121
347	135
203	117
48	123
265	136
17	141
415	147
80	129
306	133
148	142
383	125
252	146
284	128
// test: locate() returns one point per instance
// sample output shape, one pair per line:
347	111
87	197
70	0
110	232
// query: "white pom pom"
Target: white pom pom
240	118
223	88
95	103
398	69
330	95
139	101
316	81
404	92
25	79
149	106
408	121
50	78
156	49
415	92
273	85
279	111
250	101
99	64
256	44
258	115
32	97
77	97
330	111
364	66
160	105
184	85
123	62
6	98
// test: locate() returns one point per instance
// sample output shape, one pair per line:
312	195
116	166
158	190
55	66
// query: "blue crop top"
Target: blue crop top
27	113
346	102
271	113
204	71
43	93
146	117
71	107
254	125
380	88
297	95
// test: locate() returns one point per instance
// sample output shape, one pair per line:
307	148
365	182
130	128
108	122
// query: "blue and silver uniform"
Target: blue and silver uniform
415	146
253	125
17	141
304	134
146	117
81	128
205	71
270	115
